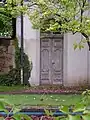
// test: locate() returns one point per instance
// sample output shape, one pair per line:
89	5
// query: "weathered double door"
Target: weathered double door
51	61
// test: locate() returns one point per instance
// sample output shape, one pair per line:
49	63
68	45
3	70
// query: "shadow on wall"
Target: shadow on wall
27	65
27	69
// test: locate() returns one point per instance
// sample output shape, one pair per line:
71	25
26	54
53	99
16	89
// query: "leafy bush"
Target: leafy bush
12	78
13	109
80	111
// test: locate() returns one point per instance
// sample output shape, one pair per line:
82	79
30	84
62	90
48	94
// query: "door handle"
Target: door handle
53	62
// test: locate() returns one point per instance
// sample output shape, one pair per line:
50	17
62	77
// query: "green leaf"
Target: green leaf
64	109
84	93
15	110
84	41
86	117
75	45
16	117
61	118
76	117
86	112
48	112
80	45
25	116
79	107
2	107
57	118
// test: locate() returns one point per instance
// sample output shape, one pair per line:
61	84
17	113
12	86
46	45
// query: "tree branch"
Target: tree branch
87	38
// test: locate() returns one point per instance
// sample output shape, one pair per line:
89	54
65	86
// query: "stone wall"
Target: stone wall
6	56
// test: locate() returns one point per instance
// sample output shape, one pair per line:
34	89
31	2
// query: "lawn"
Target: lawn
12	88
38	99
42	100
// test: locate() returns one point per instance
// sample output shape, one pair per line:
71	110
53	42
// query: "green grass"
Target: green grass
42	100
12	88
38	100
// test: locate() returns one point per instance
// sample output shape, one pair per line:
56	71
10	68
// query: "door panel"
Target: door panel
45	56
57	64
51	70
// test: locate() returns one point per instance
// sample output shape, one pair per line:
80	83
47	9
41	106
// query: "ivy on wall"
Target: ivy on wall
27	65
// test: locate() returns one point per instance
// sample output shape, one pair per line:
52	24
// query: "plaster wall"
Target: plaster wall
31	47
76	65
75	62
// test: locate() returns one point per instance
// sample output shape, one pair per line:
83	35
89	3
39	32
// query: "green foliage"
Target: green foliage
81	109
62	16
27	65
48	113
20	116
14	109
86	97
5	25
12	78
8	10
79	45
12	8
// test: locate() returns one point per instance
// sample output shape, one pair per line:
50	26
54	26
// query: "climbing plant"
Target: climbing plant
27	65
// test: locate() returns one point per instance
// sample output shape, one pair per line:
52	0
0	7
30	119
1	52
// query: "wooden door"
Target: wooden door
51	59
